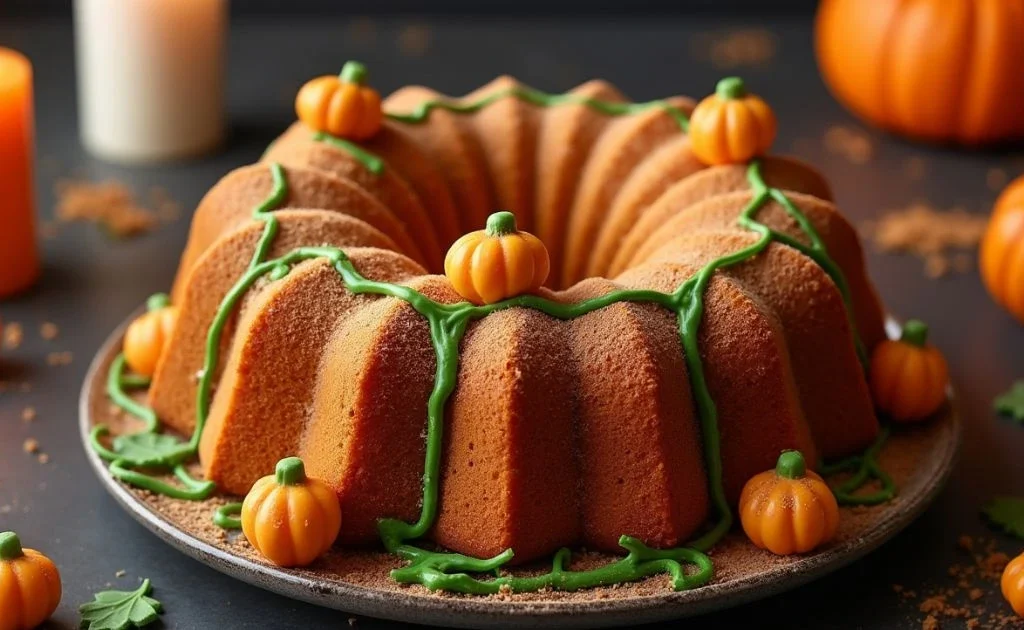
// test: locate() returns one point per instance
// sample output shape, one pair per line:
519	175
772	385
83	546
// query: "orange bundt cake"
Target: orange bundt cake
696	322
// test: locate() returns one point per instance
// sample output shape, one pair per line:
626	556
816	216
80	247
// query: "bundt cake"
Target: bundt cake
697	321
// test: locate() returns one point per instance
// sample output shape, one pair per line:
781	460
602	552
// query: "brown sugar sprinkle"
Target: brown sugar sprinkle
915	168
414	40
996	179
108	203
48	331
974	581
59	358
13	335
31	445
737	47
854	145
932	235
28	414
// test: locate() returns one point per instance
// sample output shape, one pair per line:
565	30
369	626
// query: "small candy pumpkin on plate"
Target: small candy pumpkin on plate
290	518
1001	259
342	105
790	509
731	126
497	263
30	587
909	376
147	336
1012	584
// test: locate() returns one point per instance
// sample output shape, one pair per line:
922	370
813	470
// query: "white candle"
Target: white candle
150	77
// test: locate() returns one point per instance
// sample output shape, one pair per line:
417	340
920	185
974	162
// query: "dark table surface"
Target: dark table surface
91	283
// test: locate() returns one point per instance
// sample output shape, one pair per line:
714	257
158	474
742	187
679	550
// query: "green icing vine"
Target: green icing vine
226	516
541	99
147	448
865	469
421	114
448	323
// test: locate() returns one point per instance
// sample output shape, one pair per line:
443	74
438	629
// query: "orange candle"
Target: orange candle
19	257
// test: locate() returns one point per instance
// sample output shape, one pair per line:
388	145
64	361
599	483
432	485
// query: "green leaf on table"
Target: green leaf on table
151	449
1006	513
121	610
1012	402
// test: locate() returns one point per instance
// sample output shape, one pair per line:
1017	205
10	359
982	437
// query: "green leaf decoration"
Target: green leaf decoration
121	610
1012	402
1006	513
143	450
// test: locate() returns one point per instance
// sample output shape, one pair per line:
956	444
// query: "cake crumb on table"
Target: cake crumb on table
59	358
13	335
943	239
733	48
28	414
930	623
109	203
48	331
31	445
854	145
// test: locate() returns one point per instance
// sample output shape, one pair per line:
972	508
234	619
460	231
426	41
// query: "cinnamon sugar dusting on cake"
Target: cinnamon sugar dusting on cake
737	47
852	144
972	593
114	206
735	558
944	239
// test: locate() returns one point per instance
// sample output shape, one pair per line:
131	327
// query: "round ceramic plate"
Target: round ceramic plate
920	460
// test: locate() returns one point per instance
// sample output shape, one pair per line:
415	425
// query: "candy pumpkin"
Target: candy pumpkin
290	518
790	509
30	586
731	126
146	337
909	376
497	263
342	105
1012	584
1002	250
932	69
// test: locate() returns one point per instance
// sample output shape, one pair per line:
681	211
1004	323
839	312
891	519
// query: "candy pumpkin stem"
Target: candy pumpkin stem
731	88
157	301
10	546
915	332
353	72
791	465
290	472
501	223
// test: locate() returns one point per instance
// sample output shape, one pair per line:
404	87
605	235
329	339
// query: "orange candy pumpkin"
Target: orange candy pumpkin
290	518
1012	584
932	69
30	588
909	376
790	509
497	263
342	105
1001	259
731	126
147	336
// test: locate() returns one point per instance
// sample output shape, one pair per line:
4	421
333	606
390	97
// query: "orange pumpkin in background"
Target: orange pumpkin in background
1001	258
930	69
